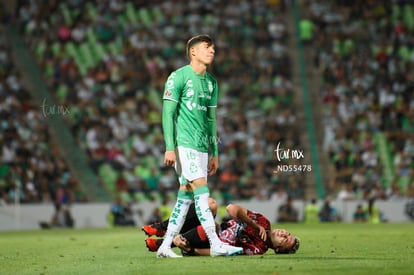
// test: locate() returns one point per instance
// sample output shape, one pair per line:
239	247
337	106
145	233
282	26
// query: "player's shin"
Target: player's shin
201	195
177	216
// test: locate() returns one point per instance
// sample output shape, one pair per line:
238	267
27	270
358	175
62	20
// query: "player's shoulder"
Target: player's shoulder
183	70
259	218
210	77
178	76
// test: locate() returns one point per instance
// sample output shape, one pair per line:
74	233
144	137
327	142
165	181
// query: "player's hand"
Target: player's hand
262	233
213	166
169	158
181	242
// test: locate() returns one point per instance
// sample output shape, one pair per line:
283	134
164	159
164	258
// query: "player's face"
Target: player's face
203	52
282	239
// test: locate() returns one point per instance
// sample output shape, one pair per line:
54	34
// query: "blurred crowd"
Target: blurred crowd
106	62
364	51
31	169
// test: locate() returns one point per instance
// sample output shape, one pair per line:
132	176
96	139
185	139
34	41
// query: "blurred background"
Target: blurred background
327	85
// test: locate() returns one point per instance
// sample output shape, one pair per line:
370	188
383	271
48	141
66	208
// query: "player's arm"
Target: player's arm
212	134
239	213
212	130
194	242
188	250
168	112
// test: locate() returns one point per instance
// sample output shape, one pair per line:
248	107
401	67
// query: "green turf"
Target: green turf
325	249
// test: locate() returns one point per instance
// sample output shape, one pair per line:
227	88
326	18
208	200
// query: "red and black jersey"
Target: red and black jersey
243	235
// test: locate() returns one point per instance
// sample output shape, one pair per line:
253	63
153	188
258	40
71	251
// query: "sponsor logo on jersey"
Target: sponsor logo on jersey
210	86
190	105
202	108
189	93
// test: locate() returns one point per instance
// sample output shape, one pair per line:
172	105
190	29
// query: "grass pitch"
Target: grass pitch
325	249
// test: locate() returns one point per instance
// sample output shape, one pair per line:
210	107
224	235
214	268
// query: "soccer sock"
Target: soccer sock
191	219
201	195
177	216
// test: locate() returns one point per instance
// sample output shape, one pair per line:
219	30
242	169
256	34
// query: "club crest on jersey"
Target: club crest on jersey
168	93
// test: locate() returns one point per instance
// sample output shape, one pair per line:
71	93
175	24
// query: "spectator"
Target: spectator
394	192
165	208
360	215
155	217
402	163
306	28
311	212
328	213
346	193
374	214
62	218
287	212
121	214
280	195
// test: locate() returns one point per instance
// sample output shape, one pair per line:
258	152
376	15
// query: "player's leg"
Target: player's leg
191	220
196	239
178	214
175	223
159	229
194	168
201	195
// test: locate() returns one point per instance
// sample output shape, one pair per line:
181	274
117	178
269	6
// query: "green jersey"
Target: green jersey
194	94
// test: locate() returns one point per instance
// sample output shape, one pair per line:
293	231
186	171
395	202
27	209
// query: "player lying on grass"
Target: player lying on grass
245	228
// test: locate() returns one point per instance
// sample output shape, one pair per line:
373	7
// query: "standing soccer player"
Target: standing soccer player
189	125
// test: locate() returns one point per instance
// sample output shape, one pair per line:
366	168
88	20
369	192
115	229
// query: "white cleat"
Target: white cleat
166	252
225	250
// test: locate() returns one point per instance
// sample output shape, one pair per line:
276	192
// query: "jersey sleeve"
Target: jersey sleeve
212	130
173	87
168	111
172	93
214	95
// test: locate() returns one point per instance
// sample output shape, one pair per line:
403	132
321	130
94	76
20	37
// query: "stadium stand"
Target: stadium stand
365	59
31	169
107	62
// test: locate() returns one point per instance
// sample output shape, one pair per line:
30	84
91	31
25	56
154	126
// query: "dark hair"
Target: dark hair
198	39
291	250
